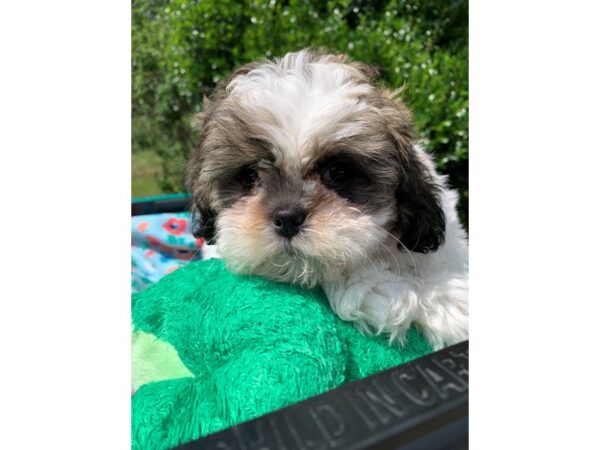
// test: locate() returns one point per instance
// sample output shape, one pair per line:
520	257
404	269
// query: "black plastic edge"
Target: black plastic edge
422	404
160	206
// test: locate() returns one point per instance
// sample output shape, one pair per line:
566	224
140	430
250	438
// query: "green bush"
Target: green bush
182	48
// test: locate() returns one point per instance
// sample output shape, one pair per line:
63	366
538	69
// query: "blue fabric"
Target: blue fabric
160	244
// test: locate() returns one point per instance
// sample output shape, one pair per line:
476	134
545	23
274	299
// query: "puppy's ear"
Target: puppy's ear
203	223
421	219
203	216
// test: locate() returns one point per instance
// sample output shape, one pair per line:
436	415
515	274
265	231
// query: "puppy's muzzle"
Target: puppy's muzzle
288	222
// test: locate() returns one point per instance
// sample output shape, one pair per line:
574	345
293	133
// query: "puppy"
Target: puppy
308	173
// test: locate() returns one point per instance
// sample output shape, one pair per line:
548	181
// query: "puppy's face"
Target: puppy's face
304	169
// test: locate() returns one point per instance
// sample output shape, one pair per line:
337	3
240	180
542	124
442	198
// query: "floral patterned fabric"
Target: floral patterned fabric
160	244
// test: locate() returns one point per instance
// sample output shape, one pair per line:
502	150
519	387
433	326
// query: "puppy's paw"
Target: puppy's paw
444	319
381	301
377	301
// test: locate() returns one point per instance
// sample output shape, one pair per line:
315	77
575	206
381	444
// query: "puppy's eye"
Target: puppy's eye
247	176
338	173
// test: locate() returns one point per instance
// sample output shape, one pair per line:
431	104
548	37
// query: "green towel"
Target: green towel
212	349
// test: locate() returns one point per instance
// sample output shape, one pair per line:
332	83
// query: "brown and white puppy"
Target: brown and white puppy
308	173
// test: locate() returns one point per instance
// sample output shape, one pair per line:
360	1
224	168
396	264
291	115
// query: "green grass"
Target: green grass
146	169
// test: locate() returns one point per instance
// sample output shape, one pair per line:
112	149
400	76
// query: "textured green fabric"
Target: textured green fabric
253	346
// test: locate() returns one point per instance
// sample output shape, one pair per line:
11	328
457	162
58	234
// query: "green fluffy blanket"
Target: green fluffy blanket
212	349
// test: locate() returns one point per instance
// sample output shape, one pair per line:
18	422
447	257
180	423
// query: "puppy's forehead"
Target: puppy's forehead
298	105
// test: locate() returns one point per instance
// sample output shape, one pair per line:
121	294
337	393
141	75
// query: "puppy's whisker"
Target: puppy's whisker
390	252
196	252
371	261
404	246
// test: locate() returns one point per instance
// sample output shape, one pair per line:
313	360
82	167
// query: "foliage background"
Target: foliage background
181	48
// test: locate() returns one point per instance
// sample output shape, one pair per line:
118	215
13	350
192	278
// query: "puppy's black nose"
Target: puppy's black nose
289	221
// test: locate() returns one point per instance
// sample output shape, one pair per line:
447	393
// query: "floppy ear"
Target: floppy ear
203	217
422	219
203	223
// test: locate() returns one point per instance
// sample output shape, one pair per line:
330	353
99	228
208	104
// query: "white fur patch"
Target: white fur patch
294	104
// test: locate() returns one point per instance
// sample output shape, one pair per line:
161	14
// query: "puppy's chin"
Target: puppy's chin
335	239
